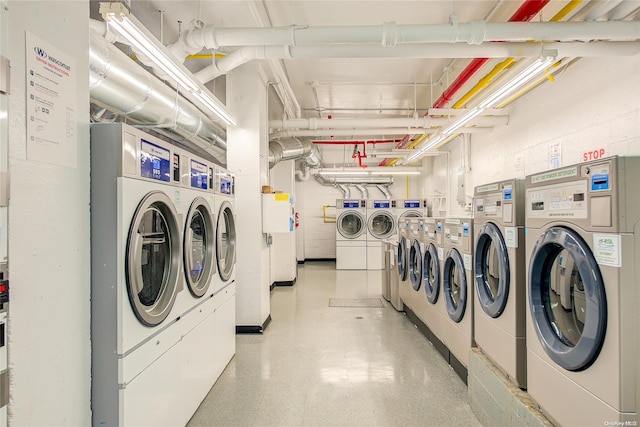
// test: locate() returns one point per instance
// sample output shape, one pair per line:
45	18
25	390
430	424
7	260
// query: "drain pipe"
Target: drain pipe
385	191
363	190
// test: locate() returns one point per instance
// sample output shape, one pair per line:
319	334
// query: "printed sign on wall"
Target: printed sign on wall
51	79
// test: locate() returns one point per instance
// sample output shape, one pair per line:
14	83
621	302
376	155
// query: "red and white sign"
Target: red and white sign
593	155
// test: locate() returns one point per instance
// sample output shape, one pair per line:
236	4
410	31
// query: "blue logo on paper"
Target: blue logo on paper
40	52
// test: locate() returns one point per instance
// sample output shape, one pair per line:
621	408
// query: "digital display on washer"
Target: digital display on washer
599	182
350	203
379	204
155	162
199	175
508	194
412	204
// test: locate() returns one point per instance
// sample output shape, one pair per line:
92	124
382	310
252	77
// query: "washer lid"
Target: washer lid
567	298
454	282
491	266
351	224
152	259
199	247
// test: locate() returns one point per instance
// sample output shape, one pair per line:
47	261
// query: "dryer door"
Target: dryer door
198	251
454	281
431	272
567	298
350	224
491	266
402	258
152	259
381	225
415	265
225	241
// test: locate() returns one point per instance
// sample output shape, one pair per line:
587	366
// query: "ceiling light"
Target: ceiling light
522	78
119	18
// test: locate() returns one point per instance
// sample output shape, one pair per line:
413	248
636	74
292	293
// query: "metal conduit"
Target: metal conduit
363	190
293	149
120	85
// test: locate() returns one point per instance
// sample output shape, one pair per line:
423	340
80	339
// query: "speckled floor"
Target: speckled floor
317	365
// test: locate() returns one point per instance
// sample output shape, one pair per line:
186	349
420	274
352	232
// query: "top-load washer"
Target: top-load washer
432	264
351	234
500	279
583	251
381	225
136	276
224	285
457	291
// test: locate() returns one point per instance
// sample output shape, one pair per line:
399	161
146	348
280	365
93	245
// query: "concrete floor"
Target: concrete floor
317	365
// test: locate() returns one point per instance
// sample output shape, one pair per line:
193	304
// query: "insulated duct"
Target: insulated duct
120	85
293	149
353	180
346	193
385	191
362	189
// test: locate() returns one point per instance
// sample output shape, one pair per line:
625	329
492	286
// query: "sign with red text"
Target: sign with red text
51	80
596	154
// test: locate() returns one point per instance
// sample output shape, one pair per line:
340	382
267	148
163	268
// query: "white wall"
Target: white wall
49	247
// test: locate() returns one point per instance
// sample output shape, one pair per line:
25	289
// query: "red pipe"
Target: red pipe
376	141
525	12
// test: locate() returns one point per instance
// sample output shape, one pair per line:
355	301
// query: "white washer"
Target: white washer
410	208
432	265
500	279
582	241
406	291
457	290
225	282
351	234
136	330
381	225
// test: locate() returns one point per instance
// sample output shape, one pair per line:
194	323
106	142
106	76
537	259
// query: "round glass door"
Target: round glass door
402	258
492	272
381	225
567	299
152	259
198	248
431	272
226	241
454	284
350	225
415	265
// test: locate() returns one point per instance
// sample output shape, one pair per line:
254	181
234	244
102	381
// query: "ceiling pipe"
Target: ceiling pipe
352	180
346	193
362	189
423	122
120	85
385	191
293	149
314	133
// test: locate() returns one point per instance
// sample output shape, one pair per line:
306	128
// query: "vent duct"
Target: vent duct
293	149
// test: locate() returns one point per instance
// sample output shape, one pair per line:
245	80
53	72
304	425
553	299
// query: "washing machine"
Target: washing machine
381	225
403	247
138	363
433	256
500	278
416	244
224	283
351	234
457	290
583	249
410	208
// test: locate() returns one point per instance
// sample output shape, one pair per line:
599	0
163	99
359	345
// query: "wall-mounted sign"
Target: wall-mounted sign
51	80
593	154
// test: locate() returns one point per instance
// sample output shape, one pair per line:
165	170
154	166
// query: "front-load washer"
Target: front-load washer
403	247
583	249
225	282
457	290
500	279
351	234
415	241
381	225
432	264
410	208
136	276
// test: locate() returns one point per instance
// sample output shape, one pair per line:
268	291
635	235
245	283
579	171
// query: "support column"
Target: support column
247	157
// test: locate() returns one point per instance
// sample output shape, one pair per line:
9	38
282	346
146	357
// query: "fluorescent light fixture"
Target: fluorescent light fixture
511	86
129	28
370	171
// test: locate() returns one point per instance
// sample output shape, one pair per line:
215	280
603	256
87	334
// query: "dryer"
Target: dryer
583	246
224	285
500	279
136	276
351	234
381	225
432	265
457	291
